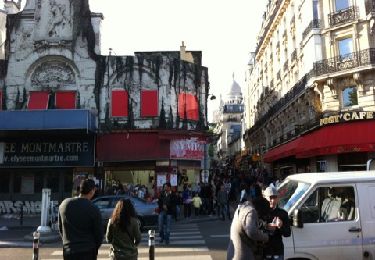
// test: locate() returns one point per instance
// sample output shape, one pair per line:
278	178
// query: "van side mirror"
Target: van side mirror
297	219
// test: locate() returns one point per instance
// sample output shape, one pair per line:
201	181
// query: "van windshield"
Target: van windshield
290	192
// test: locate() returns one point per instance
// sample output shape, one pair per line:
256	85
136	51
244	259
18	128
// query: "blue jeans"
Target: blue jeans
164	226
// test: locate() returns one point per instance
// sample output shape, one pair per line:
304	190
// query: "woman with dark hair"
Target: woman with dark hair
123	232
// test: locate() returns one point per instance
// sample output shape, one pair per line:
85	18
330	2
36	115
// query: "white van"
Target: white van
332	214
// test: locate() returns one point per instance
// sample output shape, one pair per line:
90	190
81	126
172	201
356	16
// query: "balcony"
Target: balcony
314	24
343	16
348	61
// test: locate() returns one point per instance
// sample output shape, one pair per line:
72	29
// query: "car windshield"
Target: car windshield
291	191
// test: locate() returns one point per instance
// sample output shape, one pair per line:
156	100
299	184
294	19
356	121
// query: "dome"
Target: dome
235	89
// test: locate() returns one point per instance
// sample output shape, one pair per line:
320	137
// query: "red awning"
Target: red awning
117	147
332	139
340	138
282	151
38	100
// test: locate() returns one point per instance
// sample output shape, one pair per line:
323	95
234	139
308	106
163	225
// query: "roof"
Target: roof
335	177
235	89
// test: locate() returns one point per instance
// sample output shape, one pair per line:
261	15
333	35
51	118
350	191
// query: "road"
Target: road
206	240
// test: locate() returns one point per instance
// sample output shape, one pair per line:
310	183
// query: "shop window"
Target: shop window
38	182
119	105
65	100
38	100
345	49
188	105
53	182
349	97
17	180
149	103
341	4
4	182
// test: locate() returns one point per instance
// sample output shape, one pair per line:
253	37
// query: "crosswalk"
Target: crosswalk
186	243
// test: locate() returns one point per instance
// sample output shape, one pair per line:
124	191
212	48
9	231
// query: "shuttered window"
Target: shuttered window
119	103
189	103
38	100
149	103
66	100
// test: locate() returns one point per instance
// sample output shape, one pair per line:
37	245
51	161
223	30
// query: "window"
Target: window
315	10
119	105
38	100
188	103
65	100
53	182
149	103
345	48
349	97
341	4
329	204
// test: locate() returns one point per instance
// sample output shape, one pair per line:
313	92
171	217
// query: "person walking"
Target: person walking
123	232
197	202
80	225
245	232
222	201
278	224
167	206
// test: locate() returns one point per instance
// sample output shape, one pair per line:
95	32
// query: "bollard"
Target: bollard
151	244
21	216
36	236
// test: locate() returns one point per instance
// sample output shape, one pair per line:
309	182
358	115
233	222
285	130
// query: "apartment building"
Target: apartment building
310	86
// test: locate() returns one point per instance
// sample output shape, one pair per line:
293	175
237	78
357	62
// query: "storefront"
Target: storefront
48	155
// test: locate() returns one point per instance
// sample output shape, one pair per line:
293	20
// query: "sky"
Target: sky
224	30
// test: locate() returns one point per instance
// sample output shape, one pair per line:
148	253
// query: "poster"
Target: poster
173	179
161	180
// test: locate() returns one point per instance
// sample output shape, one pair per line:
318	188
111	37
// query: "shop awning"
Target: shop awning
131	146
339	138
282	151
332	139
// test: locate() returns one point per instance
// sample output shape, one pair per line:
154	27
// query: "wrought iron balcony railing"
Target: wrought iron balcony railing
344	62
370	6
314	24
343	16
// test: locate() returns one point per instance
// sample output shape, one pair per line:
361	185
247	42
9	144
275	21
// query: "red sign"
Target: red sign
187	149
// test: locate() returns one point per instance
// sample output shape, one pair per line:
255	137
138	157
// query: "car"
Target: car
146	211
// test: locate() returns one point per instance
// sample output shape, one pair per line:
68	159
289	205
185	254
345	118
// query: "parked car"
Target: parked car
146	211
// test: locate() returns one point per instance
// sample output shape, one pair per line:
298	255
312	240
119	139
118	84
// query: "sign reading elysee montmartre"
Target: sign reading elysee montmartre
342	117
48	153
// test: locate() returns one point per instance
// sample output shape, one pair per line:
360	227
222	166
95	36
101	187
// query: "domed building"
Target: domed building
229	126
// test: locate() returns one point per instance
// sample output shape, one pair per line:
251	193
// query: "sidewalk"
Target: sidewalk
12	233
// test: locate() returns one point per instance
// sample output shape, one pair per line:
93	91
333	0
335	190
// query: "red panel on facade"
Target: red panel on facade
282	151
339	138
149	103
1	100
131	146
189	103
119	106
65	100
38	100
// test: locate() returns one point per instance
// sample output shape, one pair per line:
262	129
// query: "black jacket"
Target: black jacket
168	199
275	244
80	225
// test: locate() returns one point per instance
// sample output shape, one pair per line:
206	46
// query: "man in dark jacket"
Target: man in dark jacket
80	225
279	226
167	208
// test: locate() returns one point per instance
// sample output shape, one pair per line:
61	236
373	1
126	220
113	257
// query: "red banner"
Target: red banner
187	149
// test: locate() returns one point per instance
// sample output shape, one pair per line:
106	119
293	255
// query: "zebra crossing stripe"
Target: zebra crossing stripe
144	250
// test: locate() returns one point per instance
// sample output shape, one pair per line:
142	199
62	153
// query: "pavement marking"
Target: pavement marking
144	250
182	257
220	236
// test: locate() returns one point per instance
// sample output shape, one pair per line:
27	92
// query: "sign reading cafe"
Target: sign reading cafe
22	153
342	117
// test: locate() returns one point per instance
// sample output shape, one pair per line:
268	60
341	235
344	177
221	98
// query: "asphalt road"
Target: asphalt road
206	240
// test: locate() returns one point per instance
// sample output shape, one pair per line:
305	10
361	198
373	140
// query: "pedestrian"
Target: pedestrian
278	224
222	201
80	224
186	199
123	232
197	202
245	232
167	206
